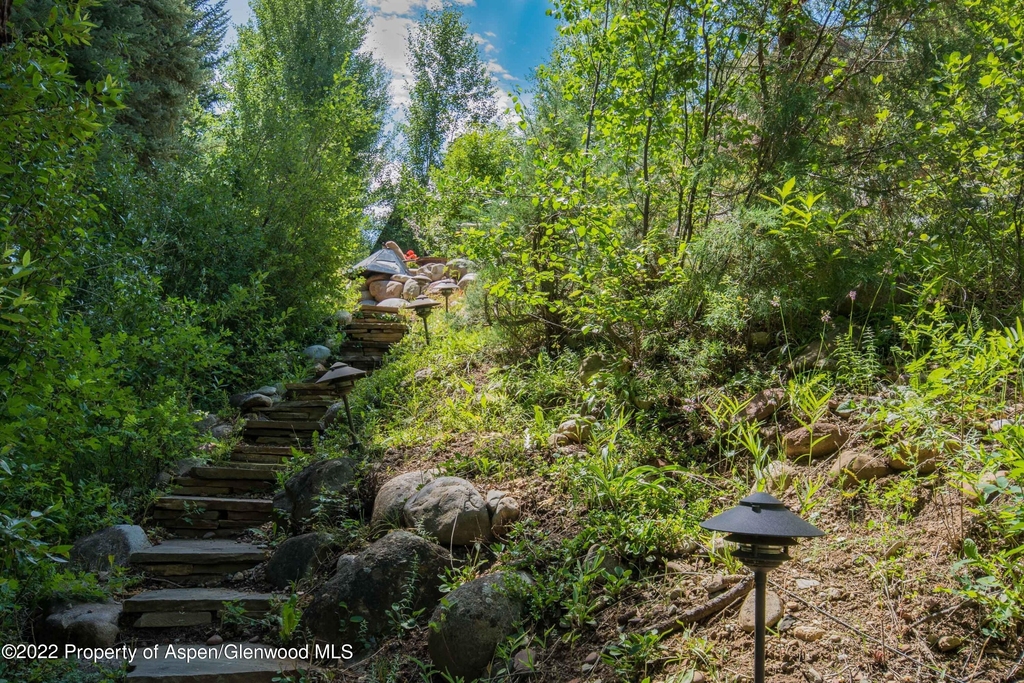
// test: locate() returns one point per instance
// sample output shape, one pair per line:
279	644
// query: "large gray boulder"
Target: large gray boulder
302	492
108	547
89	625
334	413
399	568
451	510
392	497
250	400
475	618
297	558
316	353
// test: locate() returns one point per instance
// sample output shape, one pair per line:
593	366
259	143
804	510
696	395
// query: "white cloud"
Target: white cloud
405	7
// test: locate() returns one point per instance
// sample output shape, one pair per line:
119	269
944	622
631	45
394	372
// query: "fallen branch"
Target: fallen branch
705	610
949	611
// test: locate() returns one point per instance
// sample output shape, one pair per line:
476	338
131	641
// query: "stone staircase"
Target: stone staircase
205	509
367	339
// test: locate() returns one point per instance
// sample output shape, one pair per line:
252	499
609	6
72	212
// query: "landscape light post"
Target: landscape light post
446	290
760	530
343	378
422	307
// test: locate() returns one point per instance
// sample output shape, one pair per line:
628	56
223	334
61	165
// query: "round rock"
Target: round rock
392	497
95	551
399	568
317	353
773	611
451	510
823	439
475	618
295	503
297	558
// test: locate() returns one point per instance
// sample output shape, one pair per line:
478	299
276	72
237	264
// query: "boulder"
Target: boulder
827	439
108	547
268	390
763	405
297	558
296	502
466	280
207	423
504	511
254	399
815	356
424	280
367	301
224	430
591	365
435	271
317	353
925	459
986	486
601	558
390	303
401	277
399	568
853	467
773	611
376	277
450	510
779	476
393	495
385	289
88	625
435	286
342	317
474	619
459	266
574	430
410	290
334	413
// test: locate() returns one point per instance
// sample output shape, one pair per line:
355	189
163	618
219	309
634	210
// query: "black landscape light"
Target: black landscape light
761	529
343	378
422	306
446	290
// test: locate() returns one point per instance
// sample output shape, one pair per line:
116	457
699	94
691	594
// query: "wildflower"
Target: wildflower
410	255
775	302
689	405
853	295
825	317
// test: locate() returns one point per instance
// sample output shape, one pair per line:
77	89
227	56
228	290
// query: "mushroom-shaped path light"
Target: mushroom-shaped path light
343	377
422	307
761	529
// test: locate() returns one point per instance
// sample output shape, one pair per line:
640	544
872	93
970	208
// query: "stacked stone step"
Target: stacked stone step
228	479
197	561
265	455
367	339
193	516
174	607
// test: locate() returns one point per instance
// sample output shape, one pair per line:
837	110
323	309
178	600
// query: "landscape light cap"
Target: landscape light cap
762	515
341	371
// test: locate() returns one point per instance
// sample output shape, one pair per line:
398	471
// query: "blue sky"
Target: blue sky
514	36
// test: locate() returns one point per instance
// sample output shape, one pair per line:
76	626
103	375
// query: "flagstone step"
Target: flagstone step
178	551
259	458
282	426
215	472
224	663
197	559
193	503
171	607
195	515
